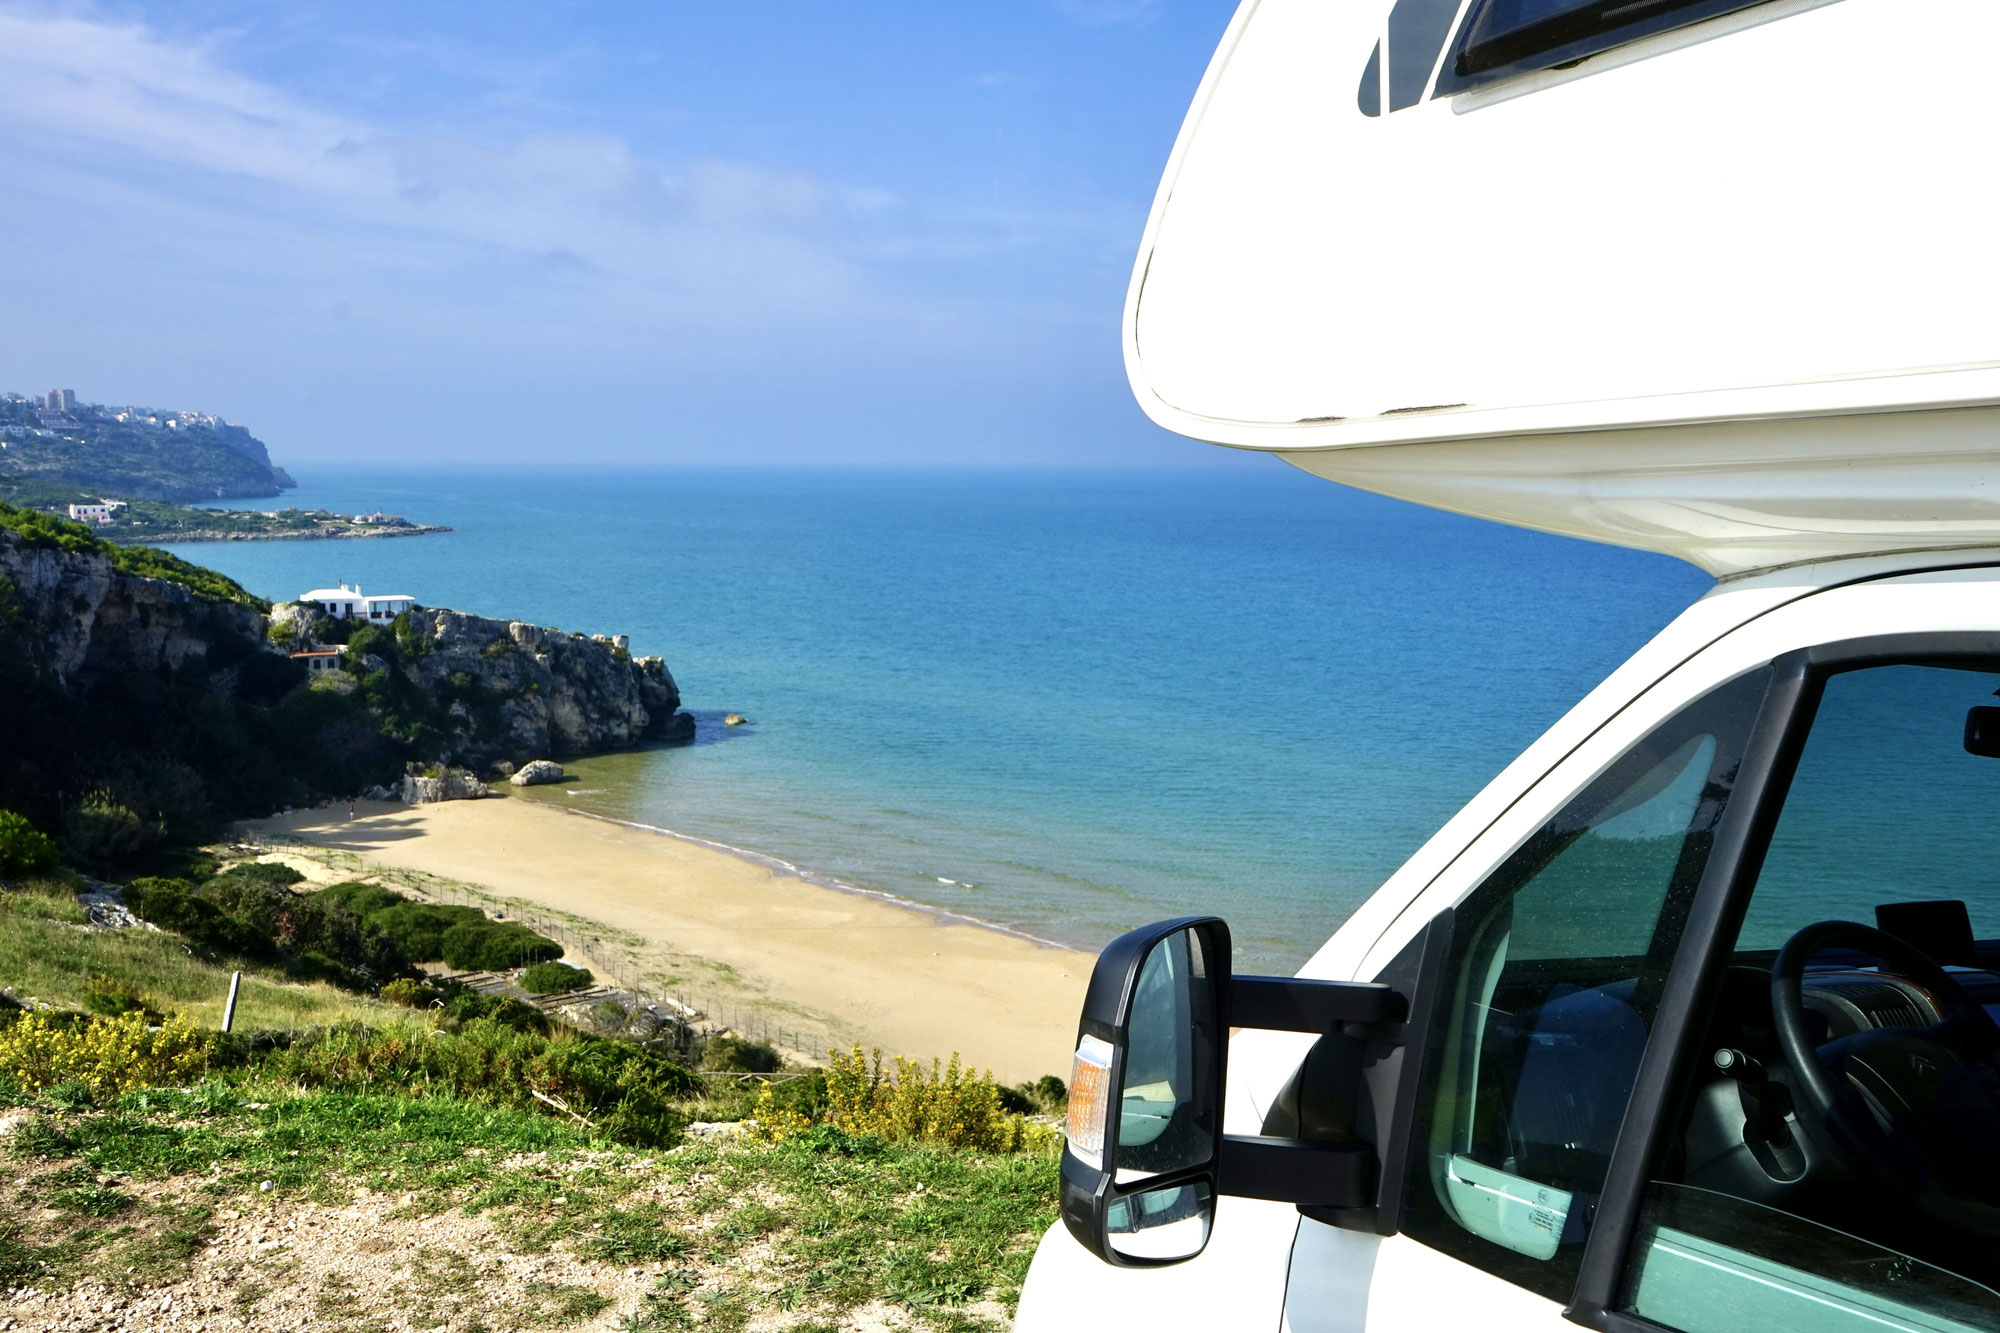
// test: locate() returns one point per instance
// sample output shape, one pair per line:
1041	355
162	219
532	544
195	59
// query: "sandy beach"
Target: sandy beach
844	968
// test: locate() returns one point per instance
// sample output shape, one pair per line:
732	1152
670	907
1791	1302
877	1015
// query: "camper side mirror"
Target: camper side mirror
1140	1168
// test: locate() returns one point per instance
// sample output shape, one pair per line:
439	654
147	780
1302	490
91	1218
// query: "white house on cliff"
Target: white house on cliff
348	603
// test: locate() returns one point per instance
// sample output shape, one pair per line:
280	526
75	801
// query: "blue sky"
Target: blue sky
783	233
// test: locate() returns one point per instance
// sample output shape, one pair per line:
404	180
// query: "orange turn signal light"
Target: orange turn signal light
1090	1100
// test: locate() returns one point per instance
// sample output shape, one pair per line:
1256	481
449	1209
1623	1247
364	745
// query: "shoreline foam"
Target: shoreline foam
820	879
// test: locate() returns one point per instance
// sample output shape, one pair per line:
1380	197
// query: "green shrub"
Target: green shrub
945	1105
304	924
23	849
418	929
273	873
495	946
112	996
361	900
554	978
311	966
1046	1095
625	1091
172	904
101	830
740	1056
469	1005
248	913
108	1056
410	993
174	861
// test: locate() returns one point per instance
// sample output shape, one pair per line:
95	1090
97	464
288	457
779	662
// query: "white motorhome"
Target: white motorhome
1686	1022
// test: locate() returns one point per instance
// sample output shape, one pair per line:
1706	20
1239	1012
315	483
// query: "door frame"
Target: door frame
1770	759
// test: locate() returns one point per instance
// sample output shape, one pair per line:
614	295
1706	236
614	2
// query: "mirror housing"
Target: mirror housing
1145	1157
1141	1163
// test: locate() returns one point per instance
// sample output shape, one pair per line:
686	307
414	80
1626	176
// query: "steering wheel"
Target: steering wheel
1903	1104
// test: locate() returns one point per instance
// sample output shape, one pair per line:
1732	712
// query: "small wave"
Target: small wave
585	791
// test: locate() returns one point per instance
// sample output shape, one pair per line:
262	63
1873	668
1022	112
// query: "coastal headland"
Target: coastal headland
843	968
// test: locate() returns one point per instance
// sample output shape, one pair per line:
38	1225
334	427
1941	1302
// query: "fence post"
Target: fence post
229	1006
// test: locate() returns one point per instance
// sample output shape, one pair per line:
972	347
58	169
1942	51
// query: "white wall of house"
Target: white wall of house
352	604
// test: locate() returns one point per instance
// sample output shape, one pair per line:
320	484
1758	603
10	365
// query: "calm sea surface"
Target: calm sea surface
1064	702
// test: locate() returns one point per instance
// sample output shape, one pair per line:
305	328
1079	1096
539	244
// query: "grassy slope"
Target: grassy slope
818	1232
49	961
161	1192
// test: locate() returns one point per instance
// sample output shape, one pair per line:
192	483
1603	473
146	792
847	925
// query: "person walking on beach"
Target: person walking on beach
350	807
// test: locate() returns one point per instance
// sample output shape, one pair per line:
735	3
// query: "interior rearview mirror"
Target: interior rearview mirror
1140	1169
1982	732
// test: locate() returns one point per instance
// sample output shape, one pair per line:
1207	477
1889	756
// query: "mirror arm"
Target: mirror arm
1316	1172
1295	1004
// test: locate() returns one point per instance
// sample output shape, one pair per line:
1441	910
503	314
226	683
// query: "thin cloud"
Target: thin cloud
1103	13
135	110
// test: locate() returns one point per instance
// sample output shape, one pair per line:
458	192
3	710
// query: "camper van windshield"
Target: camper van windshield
1505	37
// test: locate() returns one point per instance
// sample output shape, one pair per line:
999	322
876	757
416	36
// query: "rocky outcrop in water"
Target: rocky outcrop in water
511	692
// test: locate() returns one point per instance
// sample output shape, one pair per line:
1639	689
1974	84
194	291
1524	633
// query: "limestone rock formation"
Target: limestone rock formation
451	784
91	622
537	771
534	691
510	691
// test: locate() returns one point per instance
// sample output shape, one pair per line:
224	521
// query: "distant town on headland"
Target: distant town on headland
136	453
131	472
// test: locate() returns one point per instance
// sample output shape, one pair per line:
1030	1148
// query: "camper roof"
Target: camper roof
1715	284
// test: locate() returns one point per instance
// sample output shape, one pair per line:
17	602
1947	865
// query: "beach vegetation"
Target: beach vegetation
622	1092
409	993
101	830
251	913
101	1056
147	1131
554	978
495	946
905	1102
113	996
463	937
1047	1095
740	1055
24	849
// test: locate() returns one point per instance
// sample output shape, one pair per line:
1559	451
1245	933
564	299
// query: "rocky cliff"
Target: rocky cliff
509	691
157	694
80	619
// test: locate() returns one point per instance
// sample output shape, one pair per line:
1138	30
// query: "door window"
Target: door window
1878	1209
1557	964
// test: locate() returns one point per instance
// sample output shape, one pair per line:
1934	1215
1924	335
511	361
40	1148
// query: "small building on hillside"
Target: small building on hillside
95	513
347	603
318	660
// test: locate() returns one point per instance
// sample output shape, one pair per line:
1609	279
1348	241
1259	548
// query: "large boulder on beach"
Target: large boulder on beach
536	772
451	784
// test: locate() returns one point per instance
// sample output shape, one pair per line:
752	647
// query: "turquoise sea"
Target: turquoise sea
1063	702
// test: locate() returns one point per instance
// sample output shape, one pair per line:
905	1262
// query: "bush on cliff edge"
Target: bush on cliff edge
24	850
